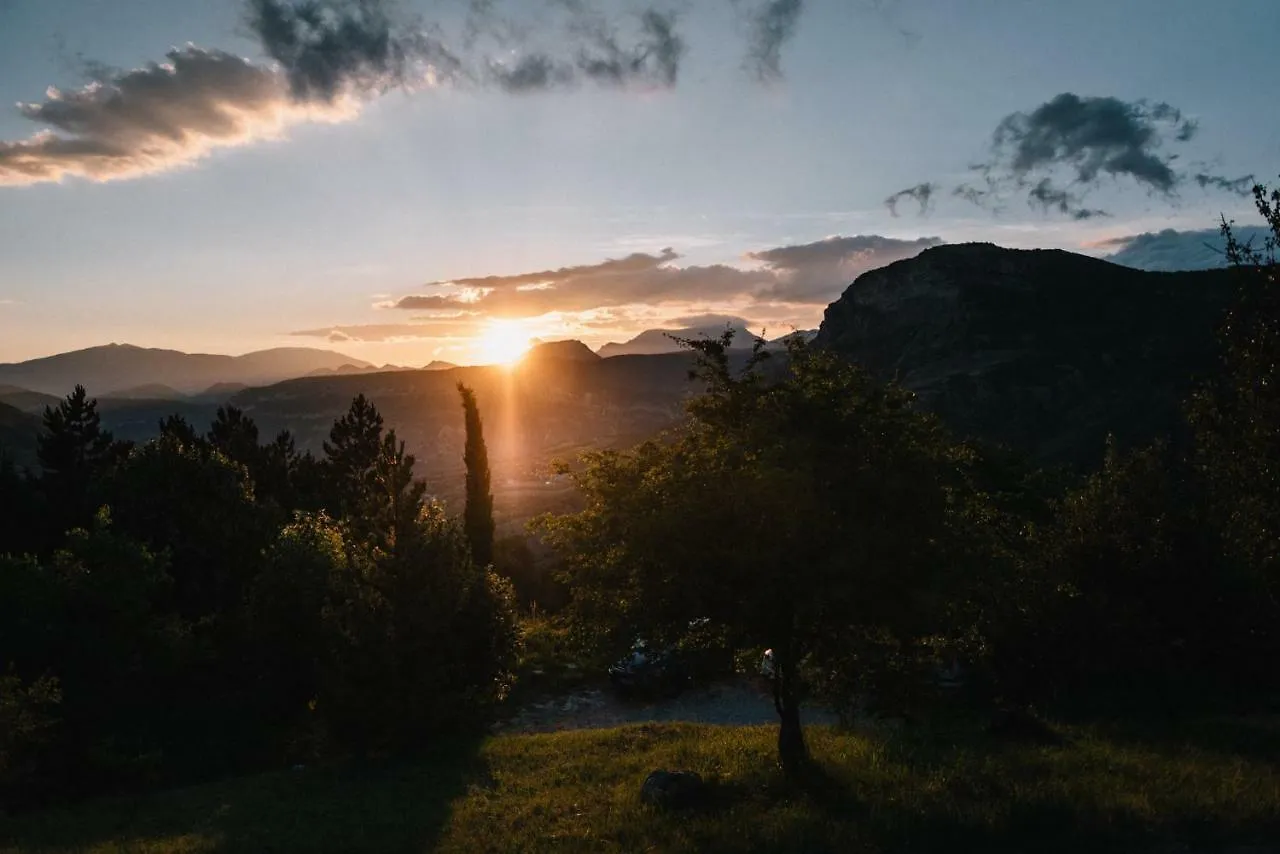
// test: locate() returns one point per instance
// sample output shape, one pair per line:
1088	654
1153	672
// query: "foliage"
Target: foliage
424	640
199	622
1237	418
811	515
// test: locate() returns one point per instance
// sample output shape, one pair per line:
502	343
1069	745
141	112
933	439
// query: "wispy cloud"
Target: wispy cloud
156	118
324	58
810	274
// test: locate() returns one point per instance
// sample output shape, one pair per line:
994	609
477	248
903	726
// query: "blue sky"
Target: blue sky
349	206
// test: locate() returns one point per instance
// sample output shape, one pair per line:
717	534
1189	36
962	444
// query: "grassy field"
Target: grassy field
1215	788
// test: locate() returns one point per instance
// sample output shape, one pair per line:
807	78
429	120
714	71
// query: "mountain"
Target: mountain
18	431
27	400
148	391
116	366
438	365
573	351
653	341
1044	351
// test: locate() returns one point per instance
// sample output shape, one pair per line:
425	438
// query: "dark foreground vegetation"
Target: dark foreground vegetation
211	603
920	790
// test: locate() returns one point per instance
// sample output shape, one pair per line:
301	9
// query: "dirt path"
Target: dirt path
736	703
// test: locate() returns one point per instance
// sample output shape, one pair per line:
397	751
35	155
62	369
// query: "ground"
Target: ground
1211	787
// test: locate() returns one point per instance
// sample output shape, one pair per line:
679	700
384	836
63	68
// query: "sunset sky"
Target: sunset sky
407	181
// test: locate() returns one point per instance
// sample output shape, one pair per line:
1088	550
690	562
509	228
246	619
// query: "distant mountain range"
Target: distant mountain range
107	369
1044	351
653	341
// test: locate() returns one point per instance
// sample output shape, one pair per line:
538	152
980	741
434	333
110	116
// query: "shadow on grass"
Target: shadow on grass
1253	738
374	806
965	810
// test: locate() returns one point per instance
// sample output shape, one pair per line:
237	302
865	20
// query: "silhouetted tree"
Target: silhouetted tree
179	429
812	514
478	512
1237	418
73	449
354	446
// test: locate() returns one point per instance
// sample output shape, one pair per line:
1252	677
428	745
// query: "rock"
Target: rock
673	789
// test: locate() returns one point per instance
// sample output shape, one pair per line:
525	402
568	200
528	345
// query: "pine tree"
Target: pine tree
73	449
478	514
354	445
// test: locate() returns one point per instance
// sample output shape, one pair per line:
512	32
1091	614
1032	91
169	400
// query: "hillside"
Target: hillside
1043	350
27	400
1212	792
537	411
18	431
123	366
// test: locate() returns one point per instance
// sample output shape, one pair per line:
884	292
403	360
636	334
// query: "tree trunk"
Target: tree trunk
793	753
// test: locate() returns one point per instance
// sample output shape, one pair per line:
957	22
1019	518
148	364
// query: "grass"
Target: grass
919	790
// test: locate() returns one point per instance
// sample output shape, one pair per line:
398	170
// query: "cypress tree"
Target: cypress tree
477	517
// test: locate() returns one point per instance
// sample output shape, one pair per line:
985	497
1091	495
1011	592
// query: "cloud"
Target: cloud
1057	153
811	274
820	271
922	193
771	24
154	118
1092	137
1170	250
330	47
388	332
1241	186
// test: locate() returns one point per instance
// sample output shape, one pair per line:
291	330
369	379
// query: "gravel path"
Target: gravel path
739	703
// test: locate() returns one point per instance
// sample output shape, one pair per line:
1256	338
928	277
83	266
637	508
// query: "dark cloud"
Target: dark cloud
1091	137
770	25
653	60
922	193
1241	186
328	47
534	72
810	274
154	118
1170	250
1057	153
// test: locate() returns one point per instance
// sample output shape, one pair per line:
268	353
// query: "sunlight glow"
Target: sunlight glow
503	342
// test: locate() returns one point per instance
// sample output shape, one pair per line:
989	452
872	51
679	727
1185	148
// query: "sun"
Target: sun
503	342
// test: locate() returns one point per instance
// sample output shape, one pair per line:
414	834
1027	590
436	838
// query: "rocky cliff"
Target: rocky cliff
1044	351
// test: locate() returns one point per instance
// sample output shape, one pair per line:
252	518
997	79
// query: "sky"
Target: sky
434	179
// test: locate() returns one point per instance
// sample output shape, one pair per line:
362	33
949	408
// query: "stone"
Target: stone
673	789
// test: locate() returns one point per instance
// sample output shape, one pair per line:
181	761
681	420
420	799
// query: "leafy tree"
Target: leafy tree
198	507
478	513
1237	418
89	616
288	611
813	514
424	639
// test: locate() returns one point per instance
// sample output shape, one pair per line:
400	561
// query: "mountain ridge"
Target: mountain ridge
1044	351
126	366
